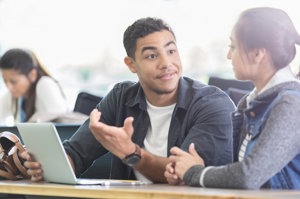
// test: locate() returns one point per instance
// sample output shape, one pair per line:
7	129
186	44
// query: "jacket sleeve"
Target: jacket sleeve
276	146
209	127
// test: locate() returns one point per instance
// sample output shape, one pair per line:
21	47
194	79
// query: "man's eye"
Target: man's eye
152	56
172	51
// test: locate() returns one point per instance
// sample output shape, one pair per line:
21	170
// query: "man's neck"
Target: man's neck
162	99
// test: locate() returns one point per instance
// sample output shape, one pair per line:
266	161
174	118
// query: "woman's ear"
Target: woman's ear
259	55
32	76
130	64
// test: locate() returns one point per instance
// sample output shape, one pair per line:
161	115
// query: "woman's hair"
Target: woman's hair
268	28
24	61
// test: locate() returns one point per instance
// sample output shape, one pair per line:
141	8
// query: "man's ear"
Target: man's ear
32	75
130	64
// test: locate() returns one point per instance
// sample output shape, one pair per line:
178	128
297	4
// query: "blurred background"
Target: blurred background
80	41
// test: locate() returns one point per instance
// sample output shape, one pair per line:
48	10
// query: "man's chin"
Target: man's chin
166	91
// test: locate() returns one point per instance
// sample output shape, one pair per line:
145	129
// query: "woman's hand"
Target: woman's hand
182	161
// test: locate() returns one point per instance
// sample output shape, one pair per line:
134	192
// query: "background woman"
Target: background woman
266	123
31	88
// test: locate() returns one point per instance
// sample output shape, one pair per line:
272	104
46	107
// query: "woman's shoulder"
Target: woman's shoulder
46	82
48	85
46	79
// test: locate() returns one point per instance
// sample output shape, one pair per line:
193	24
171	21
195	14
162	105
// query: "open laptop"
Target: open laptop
44	143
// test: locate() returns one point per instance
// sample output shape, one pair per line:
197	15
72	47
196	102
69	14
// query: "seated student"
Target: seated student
266	125
138	122
31	88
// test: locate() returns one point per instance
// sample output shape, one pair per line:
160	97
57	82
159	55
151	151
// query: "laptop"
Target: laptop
43	142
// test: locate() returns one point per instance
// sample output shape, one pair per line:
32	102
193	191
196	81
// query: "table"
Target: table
155	191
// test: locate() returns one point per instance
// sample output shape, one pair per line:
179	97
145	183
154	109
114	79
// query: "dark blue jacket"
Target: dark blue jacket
202	115
253	121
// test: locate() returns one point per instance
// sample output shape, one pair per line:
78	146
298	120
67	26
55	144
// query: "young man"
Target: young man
139	122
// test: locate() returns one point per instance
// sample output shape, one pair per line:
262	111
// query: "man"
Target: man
139	122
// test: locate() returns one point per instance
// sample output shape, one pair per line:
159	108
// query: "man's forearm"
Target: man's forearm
152	167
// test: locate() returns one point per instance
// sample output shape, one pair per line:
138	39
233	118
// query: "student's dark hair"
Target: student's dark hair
141	28
268	28
24	61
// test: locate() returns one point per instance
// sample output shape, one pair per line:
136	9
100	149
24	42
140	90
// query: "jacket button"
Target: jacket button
252	114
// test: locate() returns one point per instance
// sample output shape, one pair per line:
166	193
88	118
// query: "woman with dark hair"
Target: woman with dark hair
31	88
266	125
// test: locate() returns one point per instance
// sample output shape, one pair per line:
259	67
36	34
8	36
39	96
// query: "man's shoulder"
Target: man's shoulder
125	89
194	92
125	85
199	87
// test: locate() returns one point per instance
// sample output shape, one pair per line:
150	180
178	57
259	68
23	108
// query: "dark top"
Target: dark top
202	116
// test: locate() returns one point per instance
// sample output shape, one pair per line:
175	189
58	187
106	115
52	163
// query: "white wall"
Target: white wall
80	41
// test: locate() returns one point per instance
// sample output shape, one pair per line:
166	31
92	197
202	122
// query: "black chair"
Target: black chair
86	102
234	88
225	84
236	94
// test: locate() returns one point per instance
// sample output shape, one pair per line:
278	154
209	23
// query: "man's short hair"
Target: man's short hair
141	28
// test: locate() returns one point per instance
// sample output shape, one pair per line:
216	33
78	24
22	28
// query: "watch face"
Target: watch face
132	160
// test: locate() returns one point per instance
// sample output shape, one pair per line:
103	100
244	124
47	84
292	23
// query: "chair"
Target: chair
86	102
225	84
236	89
236	94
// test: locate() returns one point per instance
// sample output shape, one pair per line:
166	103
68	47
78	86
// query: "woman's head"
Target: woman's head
20	70
268	28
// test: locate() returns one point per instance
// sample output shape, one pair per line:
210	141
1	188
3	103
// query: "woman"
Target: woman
31	88
266	123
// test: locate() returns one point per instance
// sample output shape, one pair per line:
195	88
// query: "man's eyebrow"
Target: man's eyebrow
154	48
169	43
148	48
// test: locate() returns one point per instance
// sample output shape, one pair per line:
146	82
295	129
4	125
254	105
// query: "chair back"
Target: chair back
86	102
236	89
225	84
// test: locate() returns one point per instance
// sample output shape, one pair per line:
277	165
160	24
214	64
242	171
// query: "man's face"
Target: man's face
157	63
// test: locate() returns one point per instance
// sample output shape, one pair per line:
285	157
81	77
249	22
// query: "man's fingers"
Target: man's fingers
128	126
95	116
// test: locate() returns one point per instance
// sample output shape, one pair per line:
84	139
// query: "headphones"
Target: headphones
11	165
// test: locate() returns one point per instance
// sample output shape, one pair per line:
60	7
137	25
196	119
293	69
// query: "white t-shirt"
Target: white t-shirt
156	140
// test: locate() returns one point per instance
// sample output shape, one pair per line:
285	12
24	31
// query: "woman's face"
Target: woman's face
18	84
239	60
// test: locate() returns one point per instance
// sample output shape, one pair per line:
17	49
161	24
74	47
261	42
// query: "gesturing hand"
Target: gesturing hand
115	139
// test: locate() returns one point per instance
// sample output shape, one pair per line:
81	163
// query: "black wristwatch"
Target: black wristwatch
132	159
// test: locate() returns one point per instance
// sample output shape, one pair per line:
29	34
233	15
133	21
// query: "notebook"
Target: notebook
43	142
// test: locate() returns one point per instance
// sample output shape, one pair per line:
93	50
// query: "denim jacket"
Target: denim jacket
252	121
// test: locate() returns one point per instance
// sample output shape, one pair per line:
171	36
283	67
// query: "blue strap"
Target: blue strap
22	111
